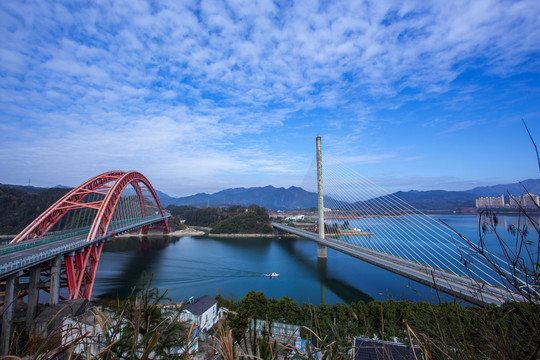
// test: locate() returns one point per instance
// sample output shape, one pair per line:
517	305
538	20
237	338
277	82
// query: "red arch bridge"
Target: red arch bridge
61	248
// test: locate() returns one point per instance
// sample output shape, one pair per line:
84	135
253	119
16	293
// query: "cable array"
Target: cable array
360	212
130	209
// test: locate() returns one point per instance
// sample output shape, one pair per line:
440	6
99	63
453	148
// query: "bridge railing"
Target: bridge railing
60	235
23	262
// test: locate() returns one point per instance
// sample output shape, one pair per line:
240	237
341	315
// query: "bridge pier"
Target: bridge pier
321	251
7	310
33	296
321	269
54	290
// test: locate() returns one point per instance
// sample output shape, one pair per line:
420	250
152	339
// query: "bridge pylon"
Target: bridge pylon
321	249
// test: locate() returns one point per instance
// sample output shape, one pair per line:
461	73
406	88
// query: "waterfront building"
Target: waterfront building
295	218
490	202
525	201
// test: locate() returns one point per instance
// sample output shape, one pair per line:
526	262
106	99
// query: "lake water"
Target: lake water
194	266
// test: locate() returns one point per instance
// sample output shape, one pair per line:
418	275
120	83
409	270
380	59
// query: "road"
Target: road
19	256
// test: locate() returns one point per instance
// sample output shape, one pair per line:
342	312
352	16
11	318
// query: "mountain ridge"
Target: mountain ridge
295	198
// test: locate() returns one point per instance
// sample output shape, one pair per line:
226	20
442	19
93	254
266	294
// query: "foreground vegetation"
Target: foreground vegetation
141	328
449	330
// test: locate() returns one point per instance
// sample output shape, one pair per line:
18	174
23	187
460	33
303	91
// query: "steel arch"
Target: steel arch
79	269
71	201
105	212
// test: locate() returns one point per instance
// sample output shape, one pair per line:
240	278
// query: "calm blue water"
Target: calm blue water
194	266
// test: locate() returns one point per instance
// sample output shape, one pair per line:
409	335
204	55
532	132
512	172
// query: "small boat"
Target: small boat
272	275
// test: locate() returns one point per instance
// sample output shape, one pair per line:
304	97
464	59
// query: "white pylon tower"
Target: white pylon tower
321	249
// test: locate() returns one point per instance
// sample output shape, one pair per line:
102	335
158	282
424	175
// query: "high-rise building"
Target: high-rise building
525	201
490	202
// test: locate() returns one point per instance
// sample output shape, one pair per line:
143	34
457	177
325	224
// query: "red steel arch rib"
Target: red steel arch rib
80	268
82	273
105	212
72	200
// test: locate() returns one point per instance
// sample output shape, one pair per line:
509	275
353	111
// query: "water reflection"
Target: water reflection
143	255
346	292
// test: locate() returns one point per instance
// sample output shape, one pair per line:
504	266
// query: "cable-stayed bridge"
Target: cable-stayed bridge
61	248
363	220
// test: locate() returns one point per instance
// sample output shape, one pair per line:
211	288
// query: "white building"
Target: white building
74	327
295	218
203	312
526	200
490	202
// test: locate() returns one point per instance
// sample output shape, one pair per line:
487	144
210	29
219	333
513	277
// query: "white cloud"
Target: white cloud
131	82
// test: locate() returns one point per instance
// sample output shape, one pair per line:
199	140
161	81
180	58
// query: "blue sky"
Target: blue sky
205	95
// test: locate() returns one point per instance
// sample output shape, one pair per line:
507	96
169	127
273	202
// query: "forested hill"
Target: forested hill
20	207
231	220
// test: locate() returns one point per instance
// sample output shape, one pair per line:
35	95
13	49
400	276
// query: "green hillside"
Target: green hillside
230	220
19	208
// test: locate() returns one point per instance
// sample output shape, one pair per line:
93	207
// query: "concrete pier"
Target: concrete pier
55	280
33	296
7	316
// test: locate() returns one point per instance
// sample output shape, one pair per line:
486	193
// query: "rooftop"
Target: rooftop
369	349
201	304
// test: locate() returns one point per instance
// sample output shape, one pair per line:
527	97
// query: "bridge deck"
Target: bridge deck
19	256
460	286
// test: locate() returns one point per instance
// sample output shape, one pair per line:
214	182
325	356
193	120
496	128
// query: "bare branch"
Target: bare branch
534	144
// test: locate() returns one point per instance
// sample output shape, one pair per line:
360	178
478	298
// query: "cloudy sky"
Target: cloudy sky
206	95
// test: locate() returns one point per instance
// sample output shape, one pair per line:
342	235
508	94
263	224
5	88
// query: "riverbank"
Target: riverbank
187	232
271	235
179	233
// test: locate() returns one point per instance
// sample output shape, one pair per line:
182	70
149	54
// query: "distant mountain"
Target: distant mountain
165	199
268	197
532	185
427	200
59	186
26	188
297	198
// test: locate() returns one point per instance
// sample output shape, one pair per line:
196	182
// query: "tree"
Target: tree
290	310
253	305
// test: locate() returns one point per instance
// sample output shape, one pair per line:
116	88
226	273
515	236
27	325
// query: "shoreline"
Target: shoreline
187	232
184	232
243	235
